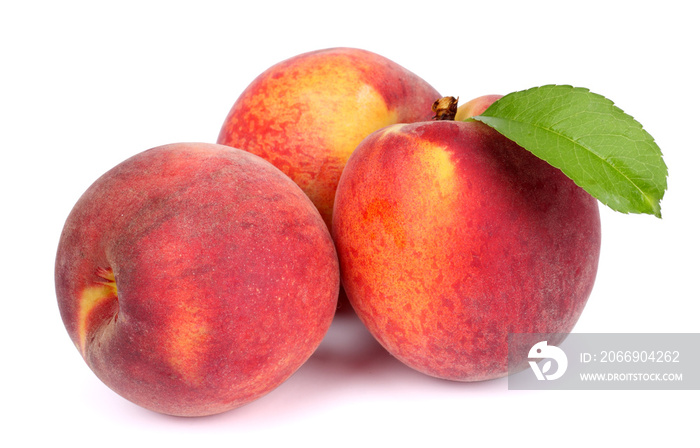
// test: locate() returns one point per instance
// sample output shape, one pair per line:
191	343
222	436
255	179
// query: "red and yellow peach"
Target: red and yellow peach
308	113
451	237
195	278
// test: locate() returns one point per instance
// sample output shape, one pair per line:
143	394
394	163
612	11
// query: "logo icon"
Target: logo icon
542	350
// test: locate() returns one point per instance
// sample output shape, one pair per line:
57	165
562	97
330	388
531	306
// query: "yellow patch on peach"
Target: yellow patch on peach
90	298
410	283
439	180
335	126
348	133
187	339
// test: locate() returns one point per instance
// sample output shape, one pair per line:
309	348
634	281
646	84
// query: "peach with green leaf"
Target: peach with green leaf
452	235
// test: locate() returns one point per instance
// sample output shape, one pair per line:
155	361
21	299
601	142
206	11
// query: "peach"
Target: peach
194	278
475	107
451	237
307	114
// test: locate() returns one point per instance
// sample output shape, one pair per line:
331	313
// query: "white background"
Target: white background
87	84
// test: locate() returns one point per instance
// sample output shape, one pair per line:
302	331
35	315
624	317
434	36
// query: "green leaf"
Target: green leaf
602	149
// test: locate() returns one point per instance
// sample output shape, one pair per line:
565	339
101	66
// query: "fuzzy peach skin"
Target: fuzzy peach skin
307	114
451	236
194	278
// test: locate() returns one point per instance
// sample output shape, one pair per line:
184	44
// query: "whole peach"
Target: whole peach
307	114
451	237
194	278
